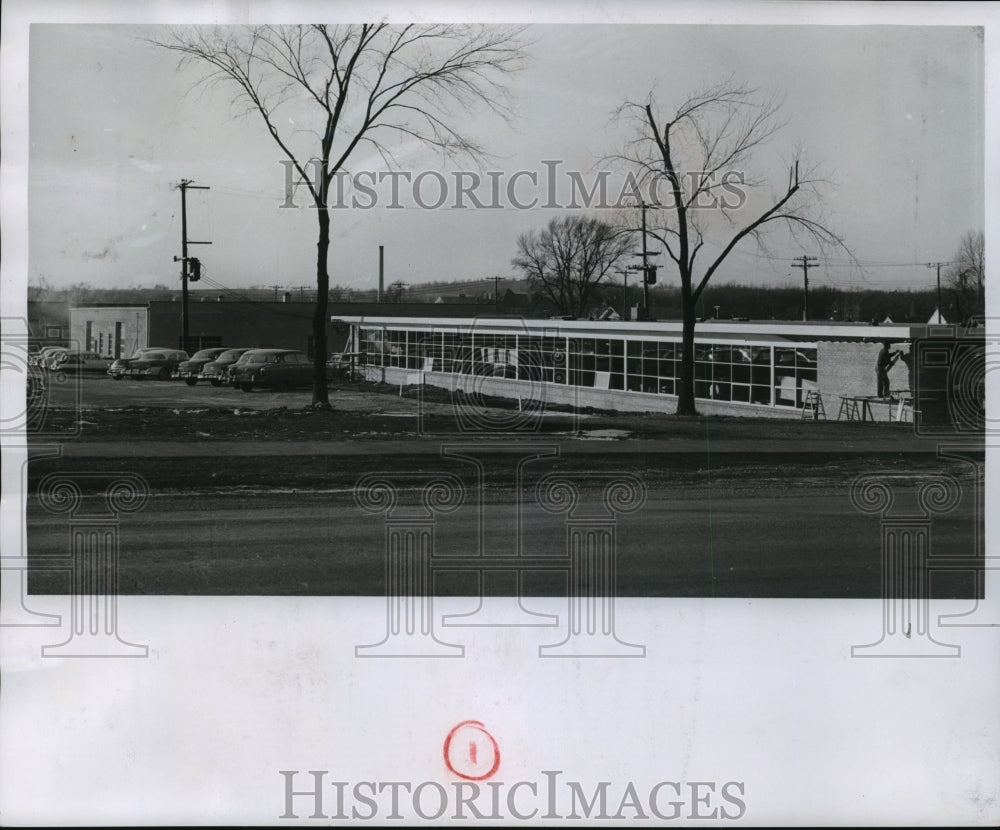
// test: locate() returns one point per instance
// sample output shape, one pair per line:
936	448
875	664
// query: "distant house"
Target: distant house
513	302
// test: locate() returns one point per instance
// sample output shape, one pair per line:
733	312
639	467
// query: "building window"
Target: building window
653	366
100	343
731	371
89	337
794	375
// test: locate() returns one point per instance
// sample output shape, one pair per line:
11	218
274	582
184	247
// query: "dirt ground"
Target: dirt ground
98	408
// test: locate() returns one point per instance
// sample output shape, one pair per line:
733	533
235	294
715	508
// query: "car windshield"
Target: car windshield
296	357
232	354
204	354
153	356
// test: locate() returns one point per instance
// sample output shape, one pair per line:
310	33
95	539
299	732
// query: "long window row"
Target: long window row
763	374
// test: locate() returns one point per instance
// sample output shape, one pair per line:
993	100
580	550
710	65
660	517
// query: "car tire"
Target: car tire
190	381
215	382
245	386
117	377
163	374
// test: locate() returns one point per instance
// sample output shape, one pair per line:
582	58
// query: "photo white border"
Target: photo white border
166	726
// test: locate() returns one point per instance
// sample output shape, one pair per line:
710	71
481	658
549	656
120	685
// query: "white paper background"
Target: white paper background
234	689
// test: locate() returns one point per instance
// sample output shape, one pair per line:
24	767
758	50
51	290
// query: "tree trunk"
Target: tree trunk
685	394
321	397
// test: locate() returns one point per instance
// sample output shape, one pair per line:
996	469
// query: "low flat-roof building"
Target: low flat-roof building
741	368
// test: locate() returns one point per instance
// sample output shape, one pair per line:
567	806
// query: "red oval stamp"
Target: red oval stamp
470	752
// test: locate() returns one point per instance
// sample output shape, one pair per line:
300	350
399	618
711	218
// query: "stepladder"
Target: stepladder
812	406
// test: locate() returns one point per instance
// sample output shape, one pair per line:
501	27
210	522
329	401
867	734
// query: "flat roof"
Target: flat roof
721	329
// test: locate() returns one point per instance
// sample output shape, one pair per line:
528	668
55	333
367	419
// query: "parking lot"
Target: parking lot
94	391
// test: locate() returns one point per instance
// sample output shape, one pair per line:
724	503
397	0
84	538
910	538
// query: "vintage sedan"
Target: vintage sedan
273	369
53	358
120	365
41	357
216	371
158	363
74	362
190	370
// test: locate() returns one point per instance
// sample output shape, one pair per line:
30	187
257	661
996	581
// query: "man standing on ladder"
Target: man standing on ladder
883	364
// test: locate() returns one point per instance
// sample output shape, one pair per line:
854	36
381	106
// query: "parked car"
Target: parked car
39	357
231	369
160	364
120	365
52	358
273	369
339	365
82	362
190	370
216	371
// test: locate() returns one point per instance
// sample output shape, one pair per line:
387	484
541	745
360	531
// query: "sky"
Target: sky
893	115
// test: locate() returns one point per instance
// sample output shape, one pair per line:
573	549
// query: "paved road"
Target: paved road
726	516
690	541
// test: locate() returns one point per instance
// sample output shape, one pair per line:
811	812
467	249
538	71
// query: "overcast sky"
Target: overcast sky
892	114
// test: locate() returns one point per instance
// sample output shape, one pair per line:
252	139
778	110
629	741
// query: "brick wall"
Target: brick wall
847	369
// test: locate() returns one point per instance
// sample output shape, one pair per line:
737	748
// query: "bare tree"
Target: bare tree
699	157
568	260
967	275
351	85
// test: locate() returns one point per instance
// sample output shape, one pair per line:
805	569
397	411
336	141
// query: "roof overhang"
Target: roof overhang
810	332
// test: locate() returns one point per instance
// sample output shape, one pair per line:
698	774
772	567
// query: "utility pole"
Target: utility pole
648	271
938	266
496	291
381	272
625	314
185	185
804	262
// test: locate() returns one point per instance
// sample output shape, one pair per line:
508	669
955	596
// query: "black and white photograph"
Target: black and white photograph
517	415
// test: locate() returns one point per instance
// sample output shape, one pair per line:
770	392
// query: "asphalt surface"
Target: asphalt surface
733	509
690	541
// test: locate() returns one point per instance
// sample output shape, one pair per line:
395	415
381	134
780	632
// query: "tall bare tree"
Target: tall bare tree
695	164
569	259
322	91
967	274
